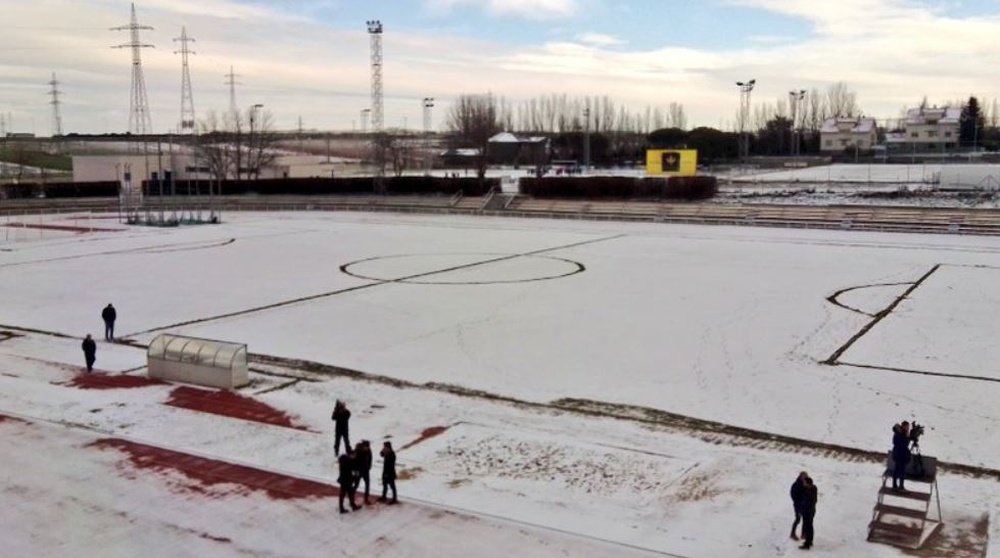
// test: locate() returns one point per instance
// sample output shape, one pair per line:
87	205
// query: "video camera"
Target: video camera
916	431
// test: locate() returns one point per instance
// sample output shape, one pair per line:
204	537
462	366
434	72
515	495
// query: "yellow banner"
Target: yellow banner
672	162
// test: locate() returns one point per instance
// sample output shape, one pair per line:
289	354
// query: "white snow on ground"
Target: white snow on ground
714	322
845	172
943	327
727	324
90	509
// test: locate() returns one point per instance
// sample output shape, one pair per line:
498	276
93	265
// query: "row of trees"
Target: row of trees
236	145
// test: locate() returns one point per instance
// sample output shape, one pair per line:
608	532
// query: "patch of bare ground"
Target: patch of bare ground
409	473
698	487
585	469
961	537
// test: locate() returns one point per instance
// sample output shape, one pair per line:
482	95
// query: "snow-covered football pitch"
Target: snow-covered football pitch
824	336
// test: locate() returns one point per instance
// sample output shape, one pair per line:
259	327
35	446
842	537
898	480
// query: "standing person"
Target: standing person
345	478
341	417
388	472
89	352
900	455
810	495
109	315
363	466
797	492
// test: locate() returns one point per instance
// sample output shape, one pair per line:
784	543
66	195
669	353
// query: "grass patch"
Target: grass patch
35	158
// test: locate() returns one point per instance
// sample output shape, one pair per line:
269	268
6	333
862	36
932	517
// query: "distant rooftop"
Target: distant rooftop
853	125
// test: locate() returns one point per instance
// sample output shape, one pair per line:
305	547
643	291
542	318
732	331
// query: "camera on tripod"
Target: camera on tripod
916	431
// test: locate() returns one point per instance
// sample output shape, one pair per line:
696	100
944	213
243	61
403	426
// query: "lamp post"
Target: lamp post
427	104
745	89
796	98
586	139
253	166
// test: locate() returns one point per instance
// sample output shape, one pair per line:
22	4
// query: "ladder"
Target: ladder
908	519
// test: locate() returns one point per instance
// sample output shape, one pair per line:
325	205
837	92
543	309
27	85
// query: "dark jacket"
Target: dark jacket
345	469
810	494
797	492
89	348
388	464
341	417
109	313
900	445
363	460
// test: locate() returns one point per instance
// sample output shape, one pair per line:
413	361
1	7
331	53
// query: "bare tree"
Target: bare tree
841	101
473	119
237	145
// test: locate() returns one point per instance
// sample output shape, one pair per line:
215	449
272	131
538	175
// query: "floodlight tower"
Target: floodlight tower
139	121
378	115
56	117
796	98
365	114
428	105
745	89
187	98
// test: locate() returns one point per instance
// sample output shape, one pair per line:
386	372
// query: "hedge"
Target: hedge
617	187
264	187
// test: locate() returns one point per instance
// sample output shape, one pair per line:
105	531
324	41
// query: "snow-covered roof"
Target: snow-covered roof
929	115
505	137
840	125
461	152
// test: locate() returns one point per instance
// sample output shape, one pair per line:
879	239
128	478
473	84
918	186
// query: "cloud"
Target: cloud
527	9
599	40
892	56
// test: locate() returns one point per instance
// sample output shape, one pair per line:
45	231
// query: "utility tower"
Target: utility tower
139	121
232	83
56	116
378	115
187	98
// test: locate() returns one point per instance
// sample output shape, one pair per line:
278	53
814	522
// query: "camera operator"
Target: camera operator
900	455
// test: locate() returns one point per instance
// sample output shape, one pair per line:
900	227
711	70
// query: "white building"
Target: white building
840	134
927	129
182	166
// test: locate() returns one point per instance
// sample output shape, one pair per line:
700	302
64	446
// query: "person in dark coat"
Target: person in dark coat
345	478
900	455
89	352
388	472
363	466
797	492
810	495
341	417
109	315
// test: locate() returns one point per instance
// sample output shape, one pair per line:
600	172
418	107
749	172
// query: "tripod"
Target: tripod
918	460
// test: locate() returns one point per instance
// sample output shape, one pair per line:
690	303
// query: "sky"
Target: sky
310	58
